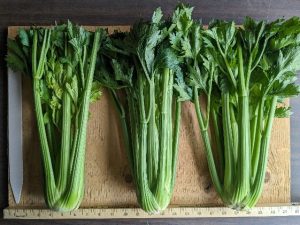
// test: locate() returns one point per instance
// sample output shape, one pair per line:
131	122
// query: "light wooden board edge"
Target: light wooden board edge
274	210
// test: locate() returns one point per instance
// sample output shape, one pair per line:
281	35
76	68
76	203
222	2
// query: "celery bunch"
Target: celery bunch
61	62
245	73
142	66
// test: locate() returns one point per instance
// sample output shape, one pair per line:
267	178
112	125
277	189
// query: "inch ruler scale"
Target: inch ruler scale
179	212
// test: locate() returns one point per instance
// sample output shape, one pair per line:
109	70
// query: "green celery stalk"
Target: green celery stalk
61	102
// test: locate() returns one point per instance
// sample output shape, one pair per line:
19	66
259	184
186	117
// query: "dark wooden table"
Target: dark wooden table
122	12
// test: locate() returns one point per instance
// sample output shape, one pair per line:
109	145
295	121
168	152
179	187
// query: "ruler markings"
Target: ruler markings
186	212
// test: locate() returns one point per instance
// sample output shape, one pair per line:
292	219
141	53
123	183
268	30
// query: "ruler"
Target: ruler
180	212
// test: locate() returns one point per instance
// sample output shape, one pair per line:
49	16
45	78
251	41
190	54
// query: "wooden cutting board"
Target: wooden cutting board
108	183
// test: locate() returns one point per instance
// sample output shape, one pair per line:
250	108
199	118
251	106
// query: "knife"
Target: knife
15	142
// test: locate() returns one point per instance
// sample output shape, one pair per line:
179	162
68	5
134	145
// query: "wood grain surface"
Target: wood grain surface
21	12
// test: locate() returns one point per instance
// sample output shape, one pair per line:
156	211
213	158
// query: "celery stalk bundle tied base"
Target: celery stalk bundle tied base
245	74
61	62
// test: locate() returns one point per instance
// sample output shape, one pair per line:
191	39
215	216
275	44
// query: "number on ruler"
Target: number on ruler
20	214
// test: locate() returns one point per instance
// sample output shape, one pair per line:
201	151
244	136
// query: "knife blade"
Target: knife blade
15	141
